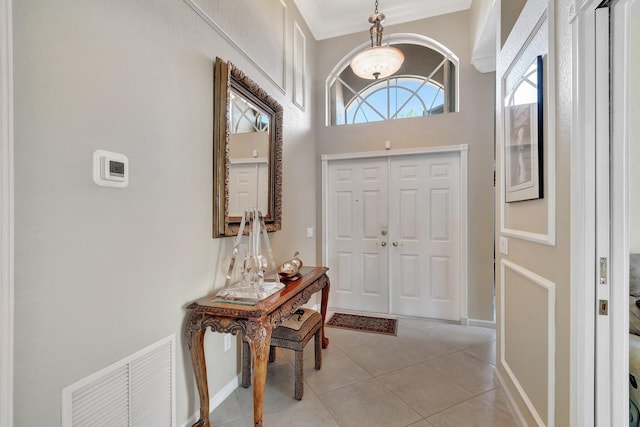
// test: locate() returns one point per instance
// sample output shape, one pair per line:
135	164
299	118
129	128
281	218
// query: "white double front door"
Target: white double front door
393	234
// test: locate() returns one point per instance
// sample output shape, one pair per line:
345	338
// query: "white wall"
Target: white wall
100	272
634	139
483	33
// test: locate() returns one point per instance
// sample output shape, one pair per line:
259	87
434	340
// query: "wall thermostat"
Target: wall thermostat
110	169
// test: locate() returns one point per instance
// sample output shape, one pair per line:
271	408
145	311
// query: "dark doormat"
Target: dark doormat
378	325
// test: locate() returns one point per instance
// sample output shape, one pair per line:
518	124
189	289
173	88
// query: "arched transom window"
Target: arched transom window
425	85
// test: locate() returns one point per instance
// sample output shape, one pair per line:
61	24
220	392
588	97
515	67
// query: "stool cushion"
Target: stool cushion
293	329
298	319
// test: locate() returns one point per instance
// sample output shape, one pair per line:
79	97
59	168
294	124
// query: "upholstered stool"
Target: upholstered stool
294	333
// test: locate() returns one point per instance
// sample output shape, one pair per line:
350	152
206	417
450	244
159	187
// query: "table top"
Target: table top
211	304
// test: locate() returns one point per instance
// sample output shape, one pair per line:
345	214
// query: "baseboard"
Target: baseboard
515	411
482	323
216	400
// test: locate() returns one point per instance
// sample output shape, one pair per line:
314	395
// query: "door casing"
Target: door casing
6	215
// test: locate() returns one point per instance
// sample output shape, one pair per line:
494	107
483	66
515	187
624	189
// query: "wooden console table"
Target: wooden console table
255	322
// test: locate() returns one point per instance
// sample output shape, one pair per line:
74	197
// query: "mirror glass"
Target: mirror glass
523	134
247	151
248	157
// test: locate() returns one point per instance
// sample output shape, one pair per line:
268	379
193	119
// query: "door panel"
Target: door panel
250	182
357	208
410	268
424	231
243	178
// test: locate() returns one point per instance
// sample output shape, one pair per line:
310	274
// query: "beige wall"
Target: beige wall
534	341
243	145
509	12
472	125
101	272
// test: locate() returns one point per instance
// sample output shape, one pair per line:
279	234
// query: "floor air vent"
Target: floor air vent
136	391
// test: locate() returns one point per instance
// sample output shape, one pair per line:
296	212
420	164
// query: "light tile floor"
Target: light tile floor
433	374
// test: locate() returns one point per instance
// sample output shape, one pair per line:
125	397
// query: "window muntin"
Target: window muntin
526	89
396	98
246	117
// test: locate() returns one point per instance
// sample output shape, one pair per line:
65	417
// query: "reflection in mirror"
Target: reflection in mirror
248	157
247	151
523	137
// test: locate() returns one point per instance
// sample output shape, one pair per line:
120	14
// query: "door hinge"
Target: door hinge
603	271
603	307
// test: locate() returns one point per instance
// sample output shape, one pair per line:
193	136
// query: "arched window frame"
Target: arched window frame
398	38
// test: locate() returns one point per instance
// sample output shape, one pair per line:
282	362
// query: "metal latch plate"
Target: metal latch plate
603	307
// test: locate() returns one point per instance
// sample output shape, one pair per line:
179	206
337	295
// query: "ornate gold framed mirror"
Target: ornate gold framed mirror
247	151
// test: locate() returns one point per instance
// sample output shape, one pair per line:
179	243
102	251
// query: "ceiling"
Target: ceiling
332	18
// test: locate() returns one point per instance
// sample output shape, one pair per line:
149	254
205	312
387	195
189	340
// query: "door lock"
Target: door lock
383	232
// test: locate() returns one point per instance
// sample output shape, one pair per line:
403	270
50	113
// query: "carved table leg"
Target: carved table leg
323	310
259	338
195	335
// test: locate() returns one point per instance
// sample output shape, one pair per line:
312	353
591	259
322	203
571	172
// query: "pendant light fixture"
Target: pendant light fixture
376	61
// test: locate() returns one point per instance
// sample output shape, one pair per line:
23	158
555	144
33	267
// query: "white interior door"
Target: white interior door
424	231
248	186
357	227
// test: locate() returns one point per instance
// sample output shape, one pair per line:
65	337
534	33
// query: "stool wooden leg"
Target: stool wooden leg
246	365
272	354
299	387
317	342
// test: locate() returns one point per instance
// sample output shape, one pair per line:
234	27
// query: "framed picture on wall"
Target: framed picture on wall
524	135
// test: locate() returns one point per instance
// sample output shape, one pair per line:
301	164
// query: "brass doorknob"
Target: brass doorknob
383	244
396	244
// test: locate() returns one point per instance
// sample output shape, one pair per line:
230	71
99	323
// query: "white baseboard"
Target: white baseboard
482	323
515	411
216	400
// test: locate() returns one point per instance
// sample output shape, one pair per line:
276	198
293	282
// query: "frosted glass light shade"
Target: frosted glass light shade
377	62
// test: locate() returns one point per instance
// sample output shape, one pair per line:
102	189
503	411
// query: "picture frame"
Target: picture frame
524	136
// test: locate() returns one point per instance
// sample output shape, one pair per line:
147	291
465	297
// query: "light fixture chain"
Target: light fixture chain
376	6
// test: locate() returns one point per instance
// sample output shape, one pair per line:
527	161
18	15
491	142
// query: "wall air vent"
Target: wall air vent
138	390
